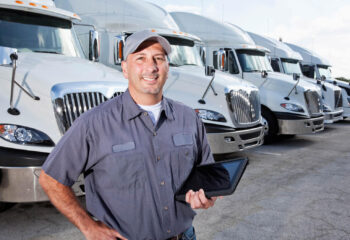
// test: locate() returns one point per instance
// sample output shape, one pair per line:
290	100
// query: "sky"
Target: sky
322	26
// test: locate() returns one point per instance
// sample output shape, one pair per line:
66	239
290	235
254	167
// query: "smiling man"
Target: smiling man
135	151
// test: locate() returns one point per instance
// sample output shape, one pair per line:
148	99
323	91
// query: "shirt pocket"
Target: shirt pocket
182	158
121	170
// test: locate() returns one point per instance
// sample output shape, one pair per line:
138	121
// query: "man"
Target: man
135	151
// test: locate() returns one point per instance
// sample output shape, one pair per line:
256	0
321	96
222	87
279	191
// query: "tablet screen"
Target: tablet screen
216	179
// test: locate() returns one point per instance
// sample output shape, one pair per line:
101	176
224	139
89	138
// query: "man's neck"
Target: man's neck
146	99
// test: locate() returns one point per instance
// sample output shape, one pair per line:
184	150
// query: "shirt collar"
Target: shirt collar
132	110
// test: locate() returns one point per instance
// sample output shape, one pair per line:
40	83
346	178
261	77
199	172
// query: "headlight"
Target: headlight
24	135
292	107
326	108
210	115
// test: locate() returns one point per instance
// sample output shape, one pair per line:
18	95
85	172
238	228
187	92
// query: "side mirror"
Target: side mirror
318	81
296	76
264	74
119	49
323	78
221	60
5	55
94	46
209	71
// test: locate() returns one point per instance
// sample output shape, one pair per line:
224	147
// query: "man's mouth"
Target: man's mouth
150	79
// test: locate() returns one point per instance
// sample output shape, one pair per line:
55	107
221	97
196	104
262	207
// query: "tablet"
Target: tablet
216	179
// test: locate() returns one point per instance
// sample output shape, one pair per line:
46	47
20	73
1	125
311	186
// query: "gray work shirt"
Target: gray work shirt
132	168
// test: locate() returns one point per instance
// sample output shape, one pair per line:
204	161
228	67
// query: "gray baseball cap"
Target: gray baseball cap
137	38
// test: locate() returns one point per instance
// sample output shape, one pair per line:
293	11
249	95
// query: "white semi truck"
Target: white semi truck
228	106
288	106
316	67
283	59
46	84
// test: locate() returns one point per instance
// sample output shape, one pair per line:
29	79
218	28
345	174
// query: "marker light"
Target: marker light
210	115
24	135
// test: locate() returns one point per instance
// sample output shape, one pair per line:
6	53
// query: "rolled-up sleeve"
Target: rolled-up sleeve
68	159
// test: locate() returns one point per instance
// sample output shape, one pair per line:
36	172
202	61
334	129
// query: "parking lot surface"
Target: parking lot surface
297	188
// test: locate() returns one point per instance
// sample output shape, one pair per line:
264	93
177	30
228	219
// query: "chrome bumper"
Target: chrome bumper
21	184
229	142
331	117
301	126
346	113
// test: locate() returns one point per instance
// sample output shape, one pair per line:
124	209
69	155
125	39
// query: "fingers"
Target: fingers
199	200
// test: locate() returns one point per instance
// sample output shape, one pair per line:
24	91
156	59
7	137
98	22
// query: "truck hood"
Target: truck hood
287	82
40	71
194	75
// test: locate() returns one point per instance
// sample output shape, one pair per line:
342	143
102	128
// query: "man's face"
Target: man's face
147	70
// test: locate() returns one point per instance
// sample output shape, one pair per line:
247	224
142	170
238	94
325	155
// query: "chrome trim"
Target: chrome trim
331	117
219	143
70	100
244	106
313	103
338	99
302	126
21	184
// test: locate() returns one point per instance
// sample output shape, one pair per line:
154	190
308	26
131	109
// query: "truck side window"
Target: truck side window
308	71
275	65
232	64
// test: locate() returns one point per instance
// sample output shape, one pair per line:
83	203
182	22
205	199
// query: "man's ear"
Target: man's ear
125	69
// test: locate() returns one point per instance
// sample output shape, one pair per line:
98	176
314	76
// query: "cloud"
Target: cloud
328	35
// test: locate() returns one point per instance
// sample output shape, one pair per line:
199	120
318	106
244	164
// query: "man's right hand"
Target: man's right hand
101	231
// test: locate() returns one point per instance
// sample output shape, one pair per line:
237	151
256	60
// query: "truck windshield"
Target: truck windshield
253	61
30	32
291	66
183	52
324	70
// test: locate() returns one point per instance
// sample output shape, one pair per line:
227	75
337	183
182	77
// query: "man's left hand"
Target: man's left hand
198	199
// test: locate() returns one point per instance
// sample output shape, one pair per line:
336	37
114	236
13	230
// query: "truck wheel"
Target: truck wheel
270	125
4	206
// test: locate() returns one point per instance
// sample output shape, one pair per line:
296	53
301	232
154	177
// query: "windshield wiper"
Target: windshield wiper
192	64
253	71
46	51
173	65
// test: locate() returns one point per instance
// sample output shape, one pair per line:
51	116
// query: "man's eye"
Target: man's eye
160	59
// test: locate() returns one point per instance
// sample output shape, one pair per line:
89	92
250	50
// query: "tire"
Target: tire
271	126
4	206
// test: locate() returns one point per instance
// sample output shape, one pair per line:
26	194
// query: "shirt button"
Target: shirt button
145	113
186	153
162	183
154	134
158	158
166	208
168	231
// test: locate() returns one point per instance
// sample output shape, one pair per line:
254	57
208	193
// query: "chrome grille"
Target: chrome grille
313	102
72	105
244	107
338	101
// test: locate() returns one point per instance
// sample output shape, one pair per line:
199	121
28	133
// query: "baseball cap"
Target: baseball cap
137	38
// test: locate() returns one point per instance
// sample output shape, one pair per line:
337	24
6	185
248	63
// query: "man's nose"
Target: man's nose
151	65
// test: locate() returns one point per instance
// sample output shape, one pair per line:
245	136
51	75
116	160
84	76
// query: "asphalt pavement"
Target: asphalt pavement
297	188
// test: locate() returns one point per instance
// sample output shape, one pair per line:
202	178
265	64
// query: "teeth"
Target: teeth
150	78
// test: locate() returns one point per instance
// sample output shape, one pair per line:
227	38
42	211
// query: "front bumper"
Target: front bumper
19	182
300	126
331	117
235	141
346	113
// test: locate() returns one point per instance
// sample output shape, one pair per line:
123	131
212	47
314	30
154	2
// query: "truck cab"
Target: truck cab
46	84
229	107
283	59
315	67
289	106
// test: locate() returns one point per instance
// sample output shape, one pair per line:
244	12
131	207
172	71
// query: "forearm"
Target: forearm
63	198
